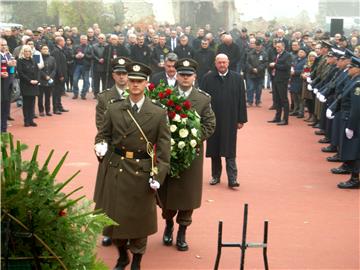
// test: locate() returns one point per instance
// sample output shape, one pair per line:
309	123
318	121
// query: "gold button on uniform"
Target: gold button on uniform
120	170
136	172
122	158
138	160
141	138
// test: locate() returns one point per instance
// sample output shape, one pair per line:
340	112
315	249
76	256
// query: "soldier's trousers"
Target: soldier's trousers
183	217
136	246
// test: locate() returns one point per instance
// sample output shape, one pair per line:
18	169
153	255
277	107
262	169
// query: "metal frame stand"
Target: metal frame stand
243	245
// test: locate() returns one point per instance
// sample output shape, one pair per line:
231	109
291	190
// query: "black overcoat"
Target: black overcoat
28	71
229	105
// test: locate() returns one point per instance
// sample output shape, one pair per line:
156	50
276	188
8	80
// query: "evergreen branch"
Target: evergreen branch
66	182
68	195
47	160
56	170
37	237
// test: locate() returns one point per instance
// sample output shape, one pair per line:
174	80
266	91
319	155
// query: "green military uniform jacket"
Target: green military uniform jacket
124	192
103	100
185	193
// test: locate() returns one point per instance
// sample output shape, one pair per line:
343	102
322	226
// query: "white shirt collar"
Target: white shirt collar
171	80
120	91
139	104
223	75
185	93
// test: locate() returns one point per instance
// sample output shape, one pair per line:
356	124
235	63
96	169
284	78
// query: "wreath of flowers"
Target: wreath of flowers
184	126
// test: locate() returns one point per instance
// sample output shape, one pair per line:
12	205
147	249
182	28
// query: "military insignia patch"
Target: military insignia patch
136	68
357	91
121	61
186	63
166	50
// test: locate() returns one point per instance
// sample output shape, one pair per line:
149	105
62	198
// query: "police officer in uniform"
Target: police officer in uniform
180	196
118	91
350	142
125	143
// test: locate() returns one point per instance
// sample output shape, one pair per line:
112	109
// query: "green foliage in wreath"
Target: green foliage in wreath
39	219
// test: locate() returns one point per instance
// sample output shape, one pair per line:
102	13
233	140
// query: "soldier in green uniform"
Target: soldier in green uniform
125	142
105	98
118	91
180	196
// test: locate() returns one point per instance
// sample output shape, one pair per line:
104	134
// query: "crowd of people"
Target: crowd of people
227	69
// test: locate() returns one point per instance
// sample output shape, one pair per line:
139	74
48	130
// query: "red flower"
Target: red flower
168	91
170	103
187	104
171	115
151	86
183	115
161	95
178	108
62	213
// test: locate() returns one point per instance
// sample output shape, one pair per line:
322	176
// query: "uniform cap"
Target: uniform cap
355	62
186	66
138	71
119	63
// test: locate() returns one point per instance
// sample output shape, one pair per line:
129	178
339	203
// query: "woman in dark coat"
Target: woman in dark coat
69	52
296	84
29	79
47	75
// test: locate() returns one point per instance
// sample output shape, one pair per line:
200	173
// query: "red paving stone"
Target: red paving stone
284	179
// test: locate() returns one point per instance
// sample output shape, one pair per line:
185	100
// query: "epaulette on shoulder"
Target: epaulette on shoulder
115	100
104	92
158	103
204	93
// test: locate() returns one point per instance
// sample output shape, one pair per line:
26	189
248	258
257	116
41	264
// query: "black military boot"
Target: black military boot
135	264
352	183
180	239
168	232
123	259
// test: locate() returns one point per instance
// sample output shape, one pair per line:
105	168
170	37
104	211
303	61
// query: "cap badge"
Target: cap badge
136	68
186	63
121	61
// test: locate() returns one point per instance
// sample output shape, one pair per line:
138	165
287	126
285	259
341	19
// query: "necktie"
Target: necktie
274	71
135	108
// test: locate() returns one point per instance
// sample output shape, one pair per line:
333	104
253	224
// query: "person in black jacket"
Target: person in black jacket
205	57
68	50
29	79
183	50
281	71
231	49
61	75
140	52
169	74
47	76
99	65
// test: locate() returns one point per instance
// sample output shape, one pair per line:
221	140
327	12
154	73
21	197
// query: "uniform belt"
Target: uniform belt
131	155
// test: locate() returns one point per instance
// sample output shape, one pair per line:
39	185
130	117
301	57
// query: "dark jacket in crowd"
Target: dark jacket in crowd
98	53
157	77
111	52
28	71
296	81
88	54
48	70
141	54
283	67
61	63
205	58
258	60
184	51
233	53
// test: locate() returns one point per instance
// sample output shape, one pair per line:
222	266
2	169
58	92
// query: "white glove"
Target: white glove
316	90
309	87
329	114
308	79
322	98
154	184
101	149
318	94
349	133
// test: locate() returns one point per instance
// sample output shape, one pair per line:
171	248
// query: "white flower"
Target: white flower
183	133
171	148
183	120
177	118
194	132
193	143
181	145
172	141
173	128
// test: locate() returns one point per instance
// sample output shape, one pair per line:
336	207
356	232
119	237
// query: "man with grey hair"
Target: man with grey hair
169	74
228	102
99	65
231	49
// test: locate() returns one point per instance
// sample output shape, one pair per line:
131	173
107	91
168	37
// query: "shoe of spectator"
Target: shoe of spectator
83	97
33	124
10	118
42	114
48	114
64	110
75	97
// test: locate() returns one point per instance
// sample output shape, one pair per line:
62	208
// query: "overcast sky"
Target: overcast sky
250	9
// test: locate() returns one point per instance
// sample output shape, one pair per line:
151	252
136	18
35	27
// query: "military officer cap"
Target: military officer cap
119	63
186	66
331	54
36	32
340	54
349	54
138	71
355	62
326	44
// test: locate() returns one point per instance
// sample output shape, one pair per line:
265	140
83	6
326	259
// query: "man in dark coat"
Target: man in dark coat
227	92
126	181
180	196
140	52
61	75
159	54
169	74
205	57
184	50
231	49
281	72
